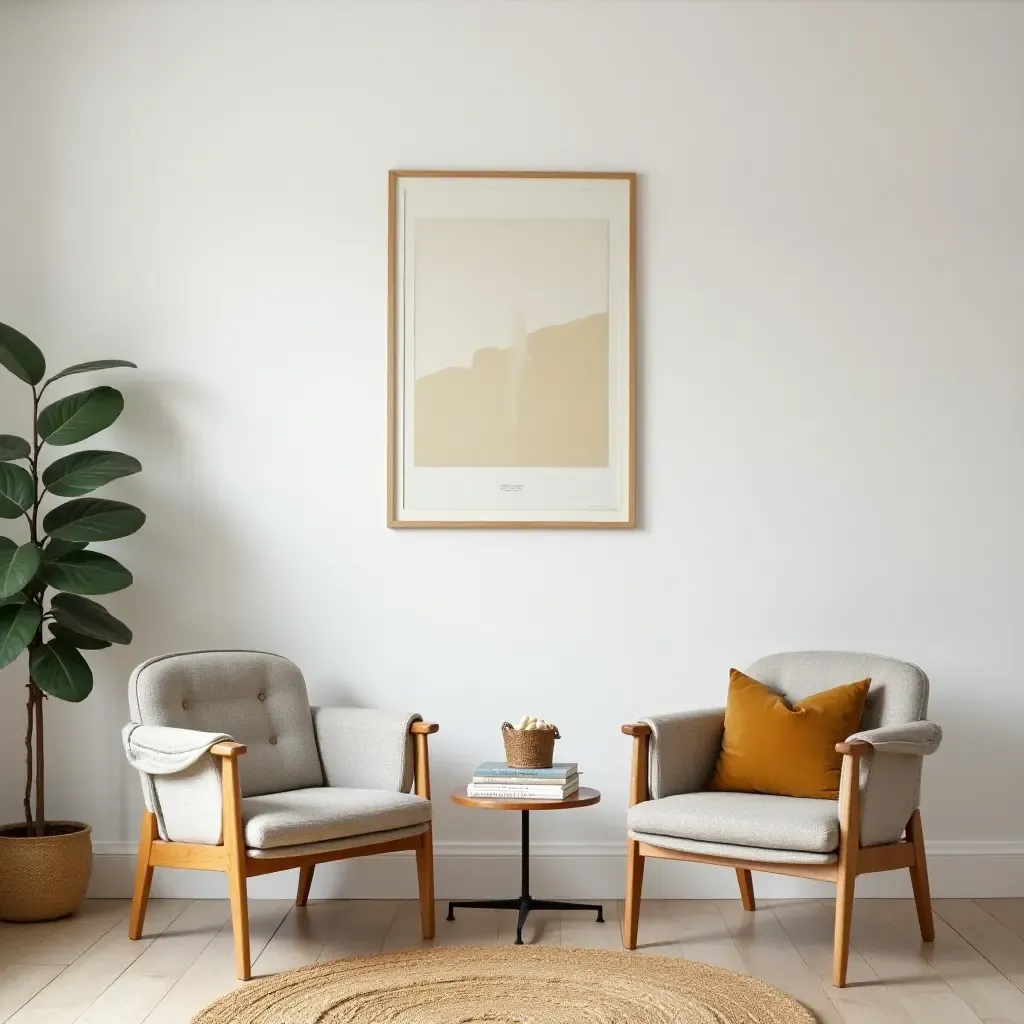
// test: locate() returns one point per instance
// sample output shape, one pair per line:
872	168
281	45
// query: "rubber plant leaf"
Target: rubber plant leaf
82	472
21	356
92	519
78	416
58	669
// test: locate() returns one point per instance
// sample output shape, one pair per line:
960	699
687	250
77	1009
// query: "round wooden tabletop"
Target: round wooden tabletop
583	797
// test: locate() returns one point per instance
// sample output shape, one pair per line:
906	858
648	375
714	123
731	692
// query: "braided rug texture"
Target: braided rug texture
506	985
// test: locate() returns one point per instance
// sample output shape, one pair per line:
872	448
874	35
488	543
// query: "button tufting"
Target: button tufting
273	740
261	696
184	704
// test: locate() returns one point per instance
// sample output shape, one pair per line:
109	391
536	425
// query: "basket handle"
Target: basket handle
509	727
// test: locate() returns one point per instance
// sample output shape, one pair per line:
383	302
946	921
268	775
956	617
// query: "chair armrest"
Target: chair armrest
362	748
683	750
886	762
636	729
180	771
421	763
165	750
917	738
228	749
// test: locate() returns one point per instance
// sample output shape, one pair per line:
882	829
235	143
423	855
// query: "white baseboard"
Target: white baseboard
970	869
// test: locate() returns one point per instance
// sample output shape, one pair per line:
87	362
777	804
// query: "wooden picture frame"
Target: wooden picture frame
511	349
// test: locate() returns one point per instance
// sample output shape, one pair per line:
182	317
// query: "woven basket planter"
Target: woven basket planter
533	749
44	877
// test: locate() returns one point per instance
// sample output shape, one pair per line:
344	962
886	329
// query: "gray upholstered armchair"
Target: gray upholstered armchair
672	815
314	784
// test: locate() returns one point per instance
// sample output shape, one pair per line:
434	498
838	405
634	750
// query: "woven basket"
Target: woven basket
533	749
45	877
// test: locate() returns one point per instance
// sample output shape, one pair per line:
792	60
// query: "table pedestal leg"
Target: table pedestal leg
526	902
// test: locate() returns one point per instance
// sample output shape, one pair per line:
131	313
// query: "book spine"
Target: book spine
515	792
508	780
519	773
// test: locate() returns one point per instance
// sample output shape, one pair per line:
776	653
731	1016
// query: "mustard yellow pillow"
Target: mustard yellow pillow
770	747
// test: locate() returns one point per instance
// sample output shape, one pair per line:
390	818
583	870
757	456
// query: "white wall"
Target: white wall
831	363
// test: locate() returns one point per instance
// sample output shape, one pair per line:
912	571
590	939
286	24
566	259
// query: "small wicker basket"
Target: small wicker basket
532	749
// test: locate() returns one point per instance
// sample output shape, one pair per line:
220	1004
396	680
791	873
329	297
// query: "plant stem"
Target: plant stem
34	460
40	788
35	694
28	761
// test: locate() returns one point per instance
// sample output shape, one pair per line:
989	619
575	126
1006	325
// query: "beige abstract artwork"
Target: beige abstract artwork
512	343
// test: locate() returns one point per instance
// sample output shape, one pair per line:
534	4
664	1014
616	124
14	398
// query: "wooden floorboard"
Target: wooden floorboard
85	970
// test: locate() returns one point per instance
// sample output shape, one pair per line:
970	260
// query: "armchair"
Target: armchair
874	826
239	774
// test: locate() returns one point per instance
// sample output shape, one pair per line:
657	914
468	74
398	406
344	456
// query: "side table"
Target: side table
583	797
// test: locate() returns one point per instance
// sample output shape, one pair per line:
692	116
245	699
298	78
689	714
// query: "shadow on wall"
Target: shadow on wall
186	560
974	735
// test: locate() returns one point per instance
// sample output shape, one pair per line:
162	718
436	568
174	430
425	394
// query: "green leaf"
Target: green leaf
59	548
21	356
90	618
79	640
83	572
89	519
13	447
95	364
7	550
83	472
18	624
73	419
58	669
17	568
16	490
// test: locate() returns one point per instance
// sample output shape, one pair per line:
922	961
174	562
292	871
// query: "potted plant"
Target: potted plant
47	585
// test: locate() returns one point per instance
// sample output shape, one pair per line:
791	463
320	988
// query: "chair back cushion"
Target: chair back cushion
259	699
898	693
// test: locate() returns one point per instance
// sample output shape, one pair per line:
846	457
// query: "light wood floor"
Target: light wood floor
85	969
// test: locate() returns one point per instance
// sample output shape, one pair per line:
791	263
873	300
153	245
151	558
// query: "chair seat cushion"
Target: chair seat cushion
742	819
725	850
316	815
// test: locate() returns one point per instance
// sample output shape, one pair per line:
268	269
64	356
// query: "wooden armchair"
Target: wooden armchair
314	784
874	826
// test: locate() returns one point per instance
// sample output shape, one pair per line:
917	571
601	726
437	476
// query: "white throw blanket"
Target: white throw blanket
164	750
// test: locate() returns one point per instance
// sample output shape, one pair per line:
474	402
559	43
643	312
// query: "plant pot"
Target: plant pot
44	877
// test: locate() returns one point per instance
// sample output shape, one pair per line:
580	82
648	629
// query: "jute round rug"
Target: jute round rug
507	985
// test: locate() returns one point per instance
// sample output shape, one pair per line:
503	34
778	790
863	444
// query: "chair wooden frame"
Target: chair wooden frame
854	859
230	856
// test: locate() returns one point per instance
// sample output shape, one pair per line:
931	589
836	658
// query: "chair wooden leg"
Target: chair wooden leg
305	881
844	917
846	869
634	890
143	875
425	877
239	916
919	878
234	848
746	881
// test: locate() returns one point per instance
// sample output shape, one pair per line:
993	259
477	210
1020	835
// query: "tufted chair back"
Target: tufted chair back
898	693
258	699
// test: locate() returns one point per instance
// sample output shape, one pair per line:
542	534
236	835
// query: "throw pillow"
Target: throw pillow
770	747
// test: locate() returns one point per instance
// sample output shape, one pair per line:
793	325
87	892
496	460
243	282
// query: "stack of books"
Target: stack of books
496	780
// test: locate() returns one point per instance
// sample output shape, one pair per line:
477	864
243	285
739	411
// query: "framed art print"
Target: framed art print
512	348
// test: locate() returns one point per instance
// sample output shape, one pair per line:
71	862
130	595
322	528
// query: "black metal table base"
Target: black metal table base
525	902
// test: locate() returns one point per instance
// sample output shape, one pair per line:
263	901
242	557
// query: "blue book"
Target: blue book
498	768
